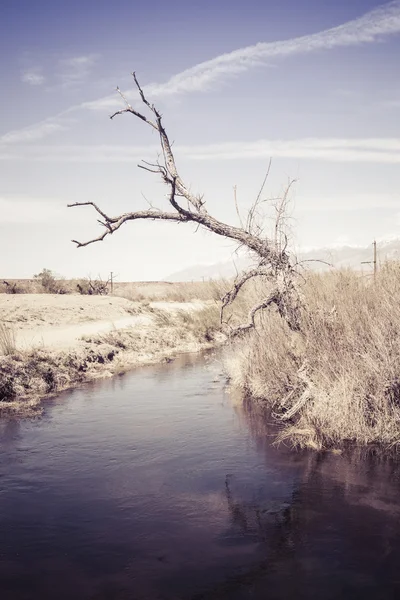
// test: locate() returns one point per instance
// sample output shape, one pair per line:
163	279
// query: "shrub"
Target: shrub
90	287
49	282
203	324
13	288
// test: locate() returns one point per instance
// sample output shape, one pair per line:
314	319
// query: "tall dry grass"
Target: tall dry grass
170	292
203	324
7	340
338	381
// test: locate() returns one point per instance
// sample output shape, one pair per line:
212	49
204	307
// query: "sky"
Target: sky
312	85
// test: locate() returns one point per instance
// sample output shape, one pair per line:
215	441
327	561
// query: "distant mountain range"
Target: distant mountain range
339	257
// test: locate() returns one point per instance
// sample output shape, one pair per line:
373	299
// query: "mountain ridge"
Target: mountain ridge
346	256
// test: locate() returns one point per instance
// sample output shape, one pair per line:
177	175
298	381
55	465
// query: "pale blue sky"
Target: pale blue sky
312	84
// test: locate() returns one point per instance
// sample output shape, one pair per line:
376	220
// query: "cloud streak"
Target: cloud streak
75	70
369	28
33	77
362	150
26	209
33	133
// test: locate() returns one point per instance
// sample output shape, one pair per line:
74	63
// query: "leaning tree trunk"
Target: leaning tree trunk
273	261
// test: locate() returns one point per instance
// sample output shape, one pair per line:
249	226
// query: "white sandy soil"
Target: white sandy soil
60	321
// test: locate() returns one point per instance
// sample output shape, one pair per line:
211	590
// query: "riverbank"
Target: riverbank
336	382
60	342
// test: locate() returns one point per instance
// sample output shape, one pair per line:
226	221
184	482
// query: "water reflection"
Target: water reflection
337	537
9	431
154	486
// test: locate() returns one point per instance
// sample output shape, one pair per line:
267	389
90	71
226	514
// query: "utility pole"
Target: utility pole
373	262
111	282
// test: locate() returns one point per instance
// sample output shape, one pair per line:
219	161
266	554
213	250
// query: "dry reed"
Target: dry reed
7	340
338	381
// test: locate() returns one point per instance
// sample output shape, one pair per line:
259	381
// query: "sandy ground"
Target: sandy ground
61	321
66	340
68	336
27	311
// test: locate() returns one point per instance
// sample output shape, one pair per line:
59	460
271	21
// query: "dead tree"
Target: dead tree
273	262
90	287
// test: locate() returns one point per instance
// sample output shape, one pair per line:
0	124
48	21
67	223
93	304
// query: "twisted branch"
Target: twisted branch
273	298
273	258
230	296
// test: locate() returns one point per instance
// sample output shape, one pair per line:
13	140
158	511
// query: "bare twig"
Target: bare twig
253	209
273	298
237	206
231	295
324	262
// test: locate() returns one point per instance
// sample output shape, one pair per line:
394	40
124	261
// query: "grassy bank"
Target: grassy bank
338	381
27	377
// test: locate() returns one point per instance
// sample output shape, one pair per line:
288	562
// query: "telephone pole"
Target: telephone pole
374	261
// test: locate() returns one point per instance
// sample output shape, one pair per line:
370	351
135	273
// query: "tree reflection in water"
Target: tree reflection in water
338	536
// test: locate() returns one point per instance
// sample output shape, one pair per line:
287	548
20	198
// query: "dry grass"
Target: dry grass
7	340
202	324
147	291
26	377
339	380
169	292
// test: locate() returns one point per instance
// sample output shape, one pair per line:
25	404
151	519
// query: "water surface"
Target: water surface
154	485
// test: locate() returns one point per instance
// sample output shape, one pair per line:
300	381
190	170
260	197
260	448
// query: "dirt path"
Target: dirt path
59	322
69	336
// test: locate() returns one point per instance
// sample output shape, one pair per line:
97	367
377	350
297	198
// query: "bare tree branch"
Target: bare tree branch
256	203
231	295
273	261
237	205
114	223
273	298
318	260
281	212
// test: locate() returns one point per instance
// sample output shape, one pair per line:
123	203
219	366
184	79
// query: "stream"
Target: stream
157	485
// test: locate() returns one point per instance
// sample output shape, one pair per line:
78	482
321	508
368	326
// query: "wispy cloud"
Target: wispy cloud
375	24
26	209
33	77
81	154
75	70
345	202
371	27
364	150
391	103
378	150
32	133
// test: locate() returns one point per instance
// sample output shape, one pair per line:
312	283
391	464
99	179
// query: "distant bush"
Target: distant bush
49	283
13	288
96	287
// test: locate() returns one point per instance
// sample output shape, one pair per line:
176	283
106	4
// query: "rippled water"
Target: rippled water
154	485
